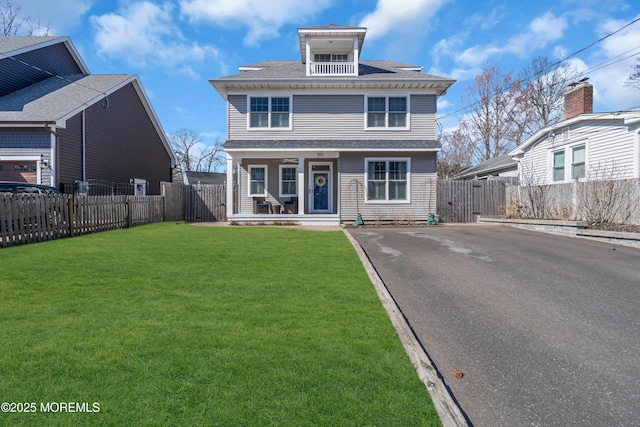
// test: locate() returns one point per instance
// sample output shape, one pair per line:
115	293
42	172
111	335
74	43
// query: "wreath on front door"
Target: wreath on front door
321	181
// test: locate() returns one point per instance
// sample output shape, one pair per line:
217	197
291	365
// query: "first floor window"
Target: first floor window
558	166
257	180
578	162
288	181
269	112
387	180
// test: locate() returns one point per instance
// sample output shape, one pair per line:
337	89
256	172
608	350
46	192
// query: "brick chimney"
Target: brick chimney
578	100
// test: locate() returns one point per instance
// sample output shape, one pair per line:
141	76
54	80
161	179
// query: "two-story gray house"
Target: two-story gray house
325	138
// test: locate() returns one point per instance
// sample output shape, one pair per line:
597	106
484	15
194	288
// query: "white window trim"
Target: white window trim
386	113
281	194
568	161
387	201
266	180
270	96
570	149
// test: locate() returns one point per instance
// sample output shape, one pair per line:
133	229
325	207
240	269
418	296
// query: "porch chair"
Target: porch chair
291	207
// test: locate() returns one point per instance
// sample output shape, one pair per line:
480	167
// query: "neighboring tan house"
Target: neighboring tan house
498	167
584	145
60	124
330	136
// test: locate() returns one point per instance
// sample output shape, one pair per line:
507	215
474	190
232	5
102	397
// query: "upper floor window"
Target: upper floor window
387	112
330	57
269	112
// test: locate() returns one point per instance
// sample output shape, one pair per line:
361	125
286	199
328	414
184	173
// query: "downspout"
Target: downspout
51	128
84	141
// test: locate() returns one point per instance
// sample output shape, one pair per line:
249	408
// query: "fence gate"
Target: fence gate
463	201
205	203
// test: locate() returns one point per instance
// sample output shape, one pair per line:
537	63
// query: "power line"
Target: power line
555	64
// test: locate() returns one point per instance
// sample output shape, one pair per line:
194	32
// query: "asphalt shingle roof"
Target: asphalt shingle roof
13	43
290	69
495	164
56	97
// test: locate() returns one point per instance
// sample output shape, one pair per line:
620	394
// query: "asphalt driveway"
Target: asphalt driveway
546	329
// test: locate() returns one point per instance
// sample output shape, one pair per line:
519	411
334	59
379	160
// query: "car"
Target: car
7	188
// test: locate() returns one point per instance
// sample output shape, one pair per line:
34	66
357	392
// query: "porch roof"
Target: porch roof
331	144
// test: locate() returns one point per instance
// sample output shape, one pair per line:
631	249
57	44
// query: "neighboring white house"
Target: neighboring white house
584	145
330	136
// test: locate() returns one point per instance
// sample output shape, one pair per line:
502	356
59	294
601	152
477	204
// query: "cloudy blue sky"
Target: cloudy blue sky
176	46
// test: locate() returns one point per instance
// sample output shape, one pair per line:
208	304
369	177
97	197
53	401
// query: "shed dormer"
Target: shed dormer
331	50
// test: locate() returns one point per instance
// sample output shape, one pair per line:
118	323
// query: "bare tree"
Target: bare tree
192	153
499	113
456	154
605	197
211	159
545	83
14	23
634	78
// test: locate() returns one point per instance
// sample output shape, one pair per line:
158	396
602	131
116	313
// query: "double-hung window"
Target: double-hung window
269	112
257	180
288	180
387	179
578	162
387	111
558	166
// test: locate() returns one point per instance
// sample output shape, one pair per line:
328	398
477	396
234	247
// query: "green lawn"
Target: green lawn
172	324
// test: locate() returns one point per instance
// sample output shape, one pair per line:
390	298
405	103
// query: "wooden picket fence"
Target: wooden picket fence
36	218
195	203
205	203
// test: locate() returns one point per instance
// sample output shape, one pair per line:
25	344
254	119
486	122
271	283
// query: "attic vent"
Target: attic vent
566	134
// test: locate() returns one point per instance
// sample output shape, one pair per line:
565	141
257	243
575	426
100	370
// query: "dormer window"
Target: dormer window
331	57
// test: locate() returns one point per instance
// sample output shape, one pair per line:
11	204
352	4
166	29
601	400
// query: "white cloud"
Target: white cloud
263	18
610	66
399	16
541	31
143	34
66	13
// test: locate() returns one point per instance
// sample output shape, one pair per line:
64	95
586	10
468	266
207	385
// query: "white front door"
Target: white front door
321	194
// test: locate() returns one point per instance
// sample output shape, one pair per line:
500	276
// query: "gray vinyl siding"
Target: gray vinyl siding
333	117
55	59
422	189
273	182
121	143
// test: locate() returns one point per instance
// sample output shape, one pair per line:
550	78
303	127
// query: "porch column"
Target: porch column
229	185
302	187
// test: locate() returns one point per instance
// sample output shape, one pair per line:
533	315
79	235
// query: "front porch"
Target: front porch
283	188
285	219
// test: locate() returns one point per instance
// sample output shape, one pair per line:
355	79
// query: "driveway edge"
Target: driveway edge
448	410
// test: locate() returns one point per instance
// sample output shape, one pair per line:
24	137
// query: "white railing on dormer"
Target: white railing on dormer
333	69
